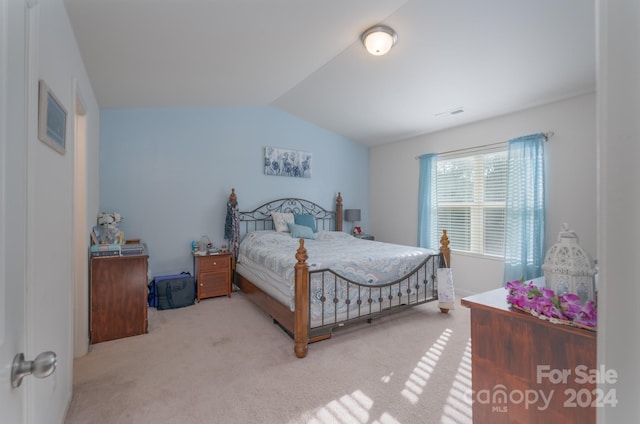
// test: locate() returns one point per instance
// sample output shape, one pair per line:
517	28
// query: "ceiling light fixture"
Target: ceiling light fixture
379	39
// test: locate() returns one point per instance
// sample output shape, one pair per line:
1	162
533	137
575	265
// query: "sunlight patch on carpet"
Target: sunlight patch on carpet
457	408
414	386
385	418
349	409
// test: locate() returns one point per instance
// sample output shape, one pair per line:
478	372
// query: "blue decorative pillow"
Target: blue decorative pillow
305	219
301	231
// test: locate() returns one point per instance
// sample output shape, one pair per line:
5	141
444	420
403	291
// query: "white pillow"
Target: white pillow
281	221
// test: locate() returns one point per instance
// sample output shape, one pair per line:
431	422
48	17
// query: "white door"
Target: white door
12	205
22	328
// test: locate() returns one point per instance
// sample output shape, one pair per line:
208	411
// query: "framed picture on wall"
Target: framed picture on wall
287	163
52	119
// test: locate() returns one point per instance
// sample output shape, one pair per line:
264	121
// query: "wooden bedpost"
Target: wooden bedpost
339	212
301	325
444	248
232	196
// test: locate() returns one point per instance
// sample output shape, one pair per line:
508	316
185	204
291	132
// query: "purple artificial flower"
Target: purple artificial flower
548	293
511	285
548	306
541	305
516	300
588	316
544	302
571	305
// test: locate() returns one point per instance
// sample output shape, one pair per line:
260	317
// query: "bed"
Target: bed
313	282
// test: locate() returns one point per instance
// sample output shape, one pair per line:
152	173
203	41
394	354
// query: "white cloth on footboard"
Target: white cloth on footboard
446	295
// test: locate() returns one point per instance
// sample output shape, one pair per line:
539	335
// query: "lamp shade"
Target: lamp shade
379	39
352	215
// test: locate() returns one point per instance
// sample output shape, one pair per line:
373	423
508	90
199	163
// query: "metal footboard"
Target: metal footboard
336	301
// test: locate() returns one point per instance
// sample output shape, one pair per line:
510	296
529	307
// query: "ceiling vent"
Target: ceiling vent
454	111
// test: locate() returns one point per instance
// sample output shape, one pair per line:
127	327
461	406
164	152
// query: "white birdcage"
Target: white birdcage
568	268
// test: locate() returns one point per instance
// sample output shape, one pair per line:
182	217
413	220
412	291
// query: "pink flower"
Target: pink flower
545	303
588	315
513	284
518	301
549	294
571	305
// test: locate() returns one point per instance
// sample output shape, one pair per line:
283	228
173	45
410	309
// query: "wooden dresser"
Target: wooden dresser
118	297
213	275
527	370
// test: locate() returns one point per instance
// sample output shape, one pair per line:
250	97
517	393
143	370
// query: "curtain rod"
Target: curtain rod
546	136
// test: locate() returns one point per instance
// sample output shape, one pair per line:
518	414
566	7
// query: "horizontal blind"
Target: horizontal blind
471	194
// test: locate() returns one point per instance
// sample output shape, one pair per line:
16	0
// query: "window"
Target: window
470	201
492	203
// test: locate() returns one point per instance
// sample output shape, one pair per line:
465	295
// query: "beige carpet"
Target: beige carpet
224	361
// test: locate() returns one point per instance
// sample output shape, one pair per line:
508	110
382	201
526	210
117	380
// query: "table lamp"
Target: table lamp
352	216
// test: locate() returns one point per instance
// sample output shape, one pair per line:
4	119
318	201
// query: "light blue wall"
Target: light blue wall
169	172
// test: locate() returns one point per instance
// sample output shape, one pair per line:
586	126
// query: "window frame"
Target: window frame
476	231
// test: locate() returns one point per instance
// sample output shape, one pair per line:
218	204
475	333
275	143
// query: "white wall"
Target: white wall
571	179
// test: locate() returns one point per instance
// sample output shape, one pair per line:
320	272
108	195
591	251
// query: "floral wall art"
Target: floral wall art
287	163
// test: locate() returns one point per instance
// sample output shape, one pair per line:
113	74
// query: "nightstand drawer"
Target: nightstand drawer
213	262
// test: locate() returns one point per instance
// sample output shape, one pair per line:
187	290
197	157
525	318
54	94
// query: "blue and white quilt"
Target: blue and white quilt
271	254
362	261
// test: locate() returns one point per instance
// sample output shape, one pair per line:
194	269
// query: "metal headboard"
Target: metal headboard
260	218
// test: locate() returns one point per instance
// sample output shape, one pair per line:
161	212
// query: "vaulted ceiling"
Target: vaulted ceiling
304	57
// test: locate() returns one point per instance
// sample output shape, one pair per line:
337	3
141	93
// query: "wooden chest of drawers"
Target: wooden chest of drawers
118	297
213	275
515	353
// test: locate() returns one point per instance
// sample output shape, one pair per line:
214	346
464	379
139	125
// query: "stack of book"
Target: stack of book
132	249
105	249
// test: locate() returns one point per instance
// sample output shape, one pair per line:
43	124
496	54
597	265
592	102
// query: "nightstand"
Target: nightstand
213	275
364	236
